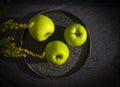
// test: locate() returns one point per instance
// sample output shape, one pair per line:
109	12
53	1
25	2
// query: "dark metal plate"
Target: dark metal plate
78	55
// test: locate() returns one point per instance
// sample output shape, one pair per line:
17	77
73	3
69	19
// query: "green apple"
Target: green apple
75	34
41	27
56	52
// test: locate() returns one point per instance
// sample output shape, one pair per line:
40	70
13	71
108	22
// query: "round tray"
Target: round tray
78	55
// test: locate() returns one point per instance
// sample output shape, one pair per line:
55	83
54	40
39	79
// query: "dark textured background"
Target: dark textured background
102	68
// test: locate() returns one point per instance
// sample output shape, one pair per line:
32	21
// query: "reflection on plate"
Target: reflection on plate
78	55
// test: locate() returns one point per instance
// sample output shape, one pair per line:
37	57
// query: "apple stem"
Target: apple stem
47	35
77	33
11	25
58	57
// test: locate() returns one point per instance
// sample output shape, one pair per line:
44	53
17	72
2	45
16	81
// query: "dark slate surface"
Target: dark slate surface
102	69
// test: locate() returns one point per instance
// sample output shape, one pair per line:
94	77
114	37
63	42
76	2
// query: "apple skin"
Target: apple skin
56	52
41	27
75	34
